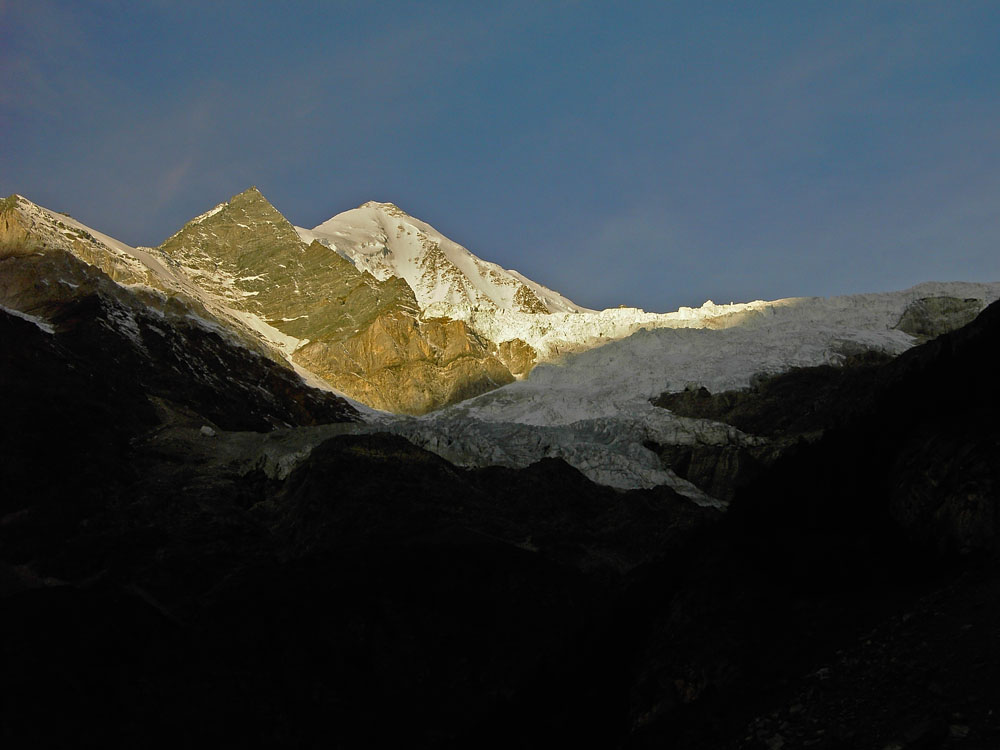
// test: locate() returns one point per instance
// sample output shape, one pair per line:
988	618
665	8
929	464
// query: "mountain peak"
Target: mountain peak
445	277
250	196
245	225
390	208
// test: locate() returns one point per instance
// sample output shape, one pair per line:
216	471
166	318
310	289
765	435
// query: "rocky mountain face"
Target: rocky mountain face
27	229
88	363
364	336
244	267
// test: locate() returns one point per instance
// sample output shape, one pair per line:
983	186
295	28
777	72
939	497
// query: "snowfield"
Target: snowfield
385	241
718	352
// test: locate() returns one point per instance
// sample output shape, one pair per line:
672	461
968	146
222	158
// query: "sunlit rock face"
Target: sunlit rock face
403	364
364	336
27	229
13	232
518	355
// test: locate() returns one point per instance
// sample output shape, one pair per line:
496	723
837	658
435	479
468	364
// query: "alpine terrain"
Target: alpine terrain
354	486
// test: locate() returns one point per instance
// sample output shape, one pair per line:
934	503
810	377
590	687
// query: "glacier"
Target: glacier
593	410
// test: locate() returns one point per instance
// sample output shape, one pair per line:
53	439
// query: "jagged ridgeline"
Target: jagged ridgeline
389	311
110	336
364	336
374	302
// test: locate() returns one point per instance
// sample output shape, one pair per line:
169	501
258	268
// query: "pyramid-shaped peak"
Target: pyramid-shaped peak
250	199
251	195
245	215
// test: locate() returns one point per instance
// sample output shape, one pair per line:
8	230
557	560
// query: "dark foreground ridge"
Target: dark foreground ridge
151	595
850	596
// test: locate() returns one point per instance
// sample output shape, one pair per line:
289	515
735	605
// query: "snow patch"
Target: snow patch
212	212
42	324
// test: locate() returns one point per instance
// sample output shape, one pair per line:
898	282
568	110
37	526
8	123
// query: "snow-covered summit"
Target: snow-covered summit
446	278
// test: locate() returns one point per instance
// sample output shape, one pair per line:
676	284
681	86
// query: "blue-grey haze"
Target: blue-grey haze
649	153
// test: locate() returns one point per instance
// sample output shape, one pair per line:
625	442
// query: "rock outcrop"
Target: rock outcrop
404	364
519	356
930	317
26	229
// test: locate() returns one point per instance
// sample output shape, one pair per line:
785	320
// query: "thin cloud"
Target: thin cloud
172	181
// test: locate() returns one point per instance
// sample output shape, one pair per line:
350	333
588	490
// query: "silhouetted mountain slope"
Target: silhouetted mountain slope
156	592
377	596
862	529
799	402
78	392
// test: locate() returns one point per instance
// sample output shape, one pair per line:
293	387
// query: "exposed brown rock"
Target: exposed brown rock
14	237
24	232
527	301
518	355
402	364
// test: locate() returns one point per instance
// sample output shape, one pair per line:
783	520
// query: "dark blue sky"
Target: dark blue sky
649	153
